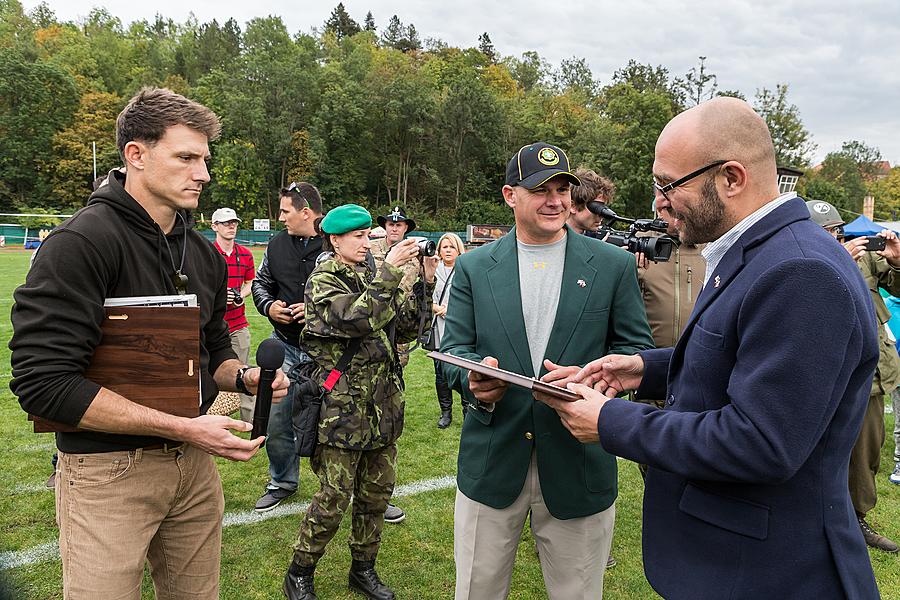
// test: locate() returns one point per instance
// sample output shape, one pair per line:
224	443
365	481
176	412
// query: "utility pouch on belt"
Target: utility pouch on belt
308	400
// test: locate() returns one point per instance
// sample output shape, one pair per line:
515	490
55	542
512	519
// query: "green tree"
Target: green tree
793	144
530	71
369	24
36	100
341	23
70	169
239	179
698	84
647	78
486	47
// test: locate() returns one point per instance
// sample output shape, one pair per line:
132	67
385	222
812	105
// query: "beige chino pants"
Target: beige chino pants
116	510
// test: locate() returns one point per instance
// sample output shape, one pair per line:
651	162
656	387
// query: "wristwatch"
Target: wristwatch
239	381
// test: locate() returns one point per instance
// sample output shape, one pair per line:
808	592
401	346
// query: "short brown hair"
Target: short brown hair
592	186
153	110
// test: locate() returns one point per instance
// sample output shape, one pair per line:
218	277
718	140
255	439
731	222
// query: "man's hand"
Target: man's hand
280	384
856	247
211	433
642	261
487	389
558	375
297	312
439	311
579	417
612	374
280	312
891	248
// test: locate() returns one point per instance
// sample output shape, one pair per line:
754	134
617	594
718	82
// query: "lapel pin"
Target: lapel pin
581	283
716	281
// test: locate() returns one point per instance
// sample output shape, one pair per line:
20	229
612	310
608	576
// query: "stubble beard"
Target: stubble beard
704	222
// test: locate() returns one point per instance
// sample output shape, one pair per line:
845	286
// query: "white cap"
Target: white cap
223	215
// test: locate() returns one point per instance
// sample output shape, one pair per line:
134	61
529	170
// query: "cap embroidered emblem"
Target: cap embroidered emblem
581	283
548	156
716	281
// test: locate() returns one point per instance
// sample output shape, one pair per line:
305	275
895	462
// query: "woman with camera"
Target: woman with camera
362	416
449	247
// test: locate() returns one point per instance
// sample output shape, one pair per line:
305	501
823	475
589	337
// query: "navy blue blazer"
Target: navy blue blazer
765	391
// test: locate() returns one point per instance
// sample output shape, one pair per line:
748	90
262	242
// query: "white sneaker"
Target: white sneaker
895	476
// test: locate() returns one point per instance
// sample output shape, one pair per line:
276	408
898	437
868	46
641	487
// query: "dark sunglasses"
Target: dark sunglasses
664	189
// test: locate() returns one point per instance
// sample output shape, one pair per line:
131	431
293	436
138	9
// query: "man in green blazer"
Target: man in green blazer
539	297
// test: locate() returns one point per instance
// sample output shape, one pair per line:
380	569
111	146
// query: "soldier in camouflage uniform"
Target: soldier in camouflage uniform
880	270
362	417
396	225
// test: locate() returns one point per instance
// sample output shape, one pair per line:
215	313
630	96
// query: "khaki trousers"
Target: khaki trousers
865	458
240	343
573	552
116	510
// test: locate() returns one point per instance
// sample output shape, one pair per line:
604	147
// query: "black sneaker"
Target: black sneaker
611	562
364	580
393	514
272	498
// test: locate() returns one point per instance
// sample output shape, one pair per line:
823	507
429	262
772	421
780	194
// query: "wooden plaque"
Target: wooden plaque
150	355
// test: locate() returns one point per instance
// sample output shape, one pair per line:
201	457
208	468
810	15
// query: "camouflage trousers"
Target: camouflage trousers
365	476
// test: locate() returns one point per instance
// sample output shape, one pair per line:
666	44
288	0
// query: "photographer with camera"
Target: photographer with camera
241	272
880	269
670	288
362	416
397	225
593	188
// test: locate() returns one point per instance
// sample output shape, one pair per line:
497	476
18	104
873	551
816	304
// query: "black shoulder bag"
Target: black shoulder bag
309	396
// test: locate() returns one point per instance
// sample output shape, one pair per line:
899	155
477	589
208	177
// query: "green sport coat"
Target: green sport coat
600	312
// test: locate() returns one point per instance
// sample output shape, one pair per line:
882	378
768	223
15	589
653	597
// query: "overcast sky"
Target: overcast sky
839	58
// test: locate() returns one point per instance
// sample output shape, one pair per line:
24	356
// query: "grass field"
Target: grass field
416	557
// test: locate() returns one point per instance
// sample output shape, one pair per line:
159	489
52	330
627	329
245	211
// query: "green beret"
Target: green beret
347	217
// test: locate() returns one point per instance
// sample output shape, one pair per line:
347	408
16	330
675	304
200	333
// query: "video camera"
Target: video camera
657	249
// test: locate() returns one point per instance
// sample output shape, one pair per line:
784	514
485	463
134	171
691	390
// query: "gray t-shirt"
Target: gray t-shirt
540	276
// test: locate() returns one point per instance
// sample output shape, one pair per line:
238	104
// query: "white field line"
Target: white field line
50	551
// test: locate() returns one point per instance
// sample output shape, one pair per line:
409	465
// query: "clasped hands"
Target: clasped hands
596	382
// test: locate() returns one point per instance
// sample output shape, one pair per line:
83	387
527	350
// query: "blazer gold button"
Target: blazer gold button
529	435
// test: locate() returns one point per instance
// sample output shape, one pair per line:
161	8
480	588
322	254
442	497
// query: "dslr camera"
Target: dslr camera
234	296
657	249
426	246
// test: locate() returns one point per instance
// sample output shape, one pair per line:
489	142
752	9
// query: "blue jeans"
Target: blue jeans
284	464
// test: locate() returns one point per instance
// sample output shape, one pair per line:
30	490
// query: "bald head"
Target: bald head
724	128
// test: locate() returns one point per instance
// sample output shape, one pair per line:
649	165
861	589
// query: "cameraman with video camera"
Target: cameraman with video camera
241	272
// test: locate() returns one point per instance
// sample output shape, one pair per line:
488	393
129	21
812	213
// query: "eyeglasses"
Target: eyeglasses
294	188
227	223
664	189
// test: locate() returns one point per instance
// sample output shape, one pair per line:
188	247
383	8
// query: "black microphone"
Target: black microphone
269	357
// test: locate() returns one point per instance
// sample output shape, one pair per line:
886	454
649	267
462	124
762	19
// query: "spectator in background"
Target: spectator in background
880	270
449	247
593	187
240	275
278	294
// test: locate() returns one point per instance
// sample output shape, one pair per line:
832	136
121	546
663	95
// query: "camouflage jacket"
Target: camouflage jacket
410	270
365	408
878	273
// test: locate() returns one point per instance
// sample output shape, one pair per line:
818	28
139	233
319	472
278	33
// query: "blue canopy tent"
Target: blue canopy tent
861	225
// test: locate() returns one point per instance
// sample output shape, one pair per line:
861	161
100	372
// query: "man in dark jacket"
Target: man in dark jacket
278	294
135	483
746	494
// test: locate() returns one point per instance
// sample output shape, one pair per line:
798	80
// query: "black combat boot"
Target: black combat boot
364	580
298	583
445	400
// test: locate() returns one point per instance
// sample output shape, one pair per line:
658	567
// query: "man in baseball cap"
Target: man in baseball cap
878	270
535	164
241	272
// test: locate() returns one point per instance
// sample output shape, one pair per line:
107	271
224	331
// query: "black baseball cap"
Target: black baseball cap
535	164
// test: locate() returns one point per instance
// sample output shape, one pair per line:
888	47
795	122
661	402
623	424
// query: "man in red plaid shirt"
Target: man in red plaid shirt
240	273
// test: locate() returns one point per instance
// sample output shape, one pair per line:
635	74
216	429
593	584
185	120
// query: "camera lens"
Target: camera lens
426	247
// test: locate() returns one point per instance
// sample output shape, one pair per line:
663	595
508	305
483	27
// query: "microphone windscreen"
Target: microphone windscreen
270	354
